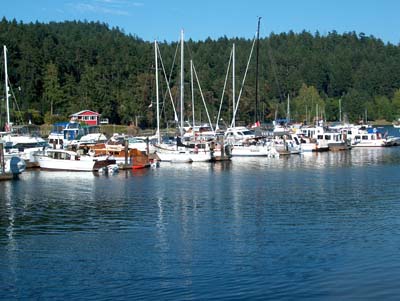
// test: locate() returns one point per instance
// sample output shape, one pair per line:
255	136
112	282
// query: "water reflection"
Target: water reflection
291	226
357	157
8	214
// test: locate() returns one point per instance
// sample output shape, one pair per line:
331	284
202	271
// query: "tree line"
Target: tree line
57	69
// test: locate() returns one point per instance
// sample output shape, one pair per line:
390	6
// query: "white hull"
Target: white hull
58	164
24	147
253	151
308	147
71	161
376	143
201	156
174	156
181	155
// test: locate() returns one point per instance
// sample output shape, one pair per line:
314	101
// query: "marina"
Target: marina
240	168
317	225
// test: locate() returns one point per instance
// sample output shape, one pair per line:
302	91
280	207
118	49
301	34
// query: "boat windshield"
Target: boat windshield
248	133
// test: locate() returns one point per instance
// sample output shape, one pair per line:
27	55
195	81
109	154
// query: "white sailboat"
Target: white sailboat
178	152
18	141
243	140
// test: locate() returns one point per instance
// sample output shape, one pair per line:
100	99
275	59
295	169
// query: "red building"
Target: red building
87	116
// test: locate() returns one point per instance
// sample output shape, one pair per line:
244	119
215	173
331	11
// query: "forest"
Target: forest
57	69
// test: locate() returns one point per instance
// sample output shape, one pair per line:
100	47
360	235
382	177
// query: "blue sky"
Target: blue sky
163	20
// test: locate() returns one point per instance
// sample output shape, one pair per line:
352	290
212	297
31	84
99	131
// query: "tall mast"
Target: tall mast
233	85
257	52
191	85
6	86
157	95
182	82
288	110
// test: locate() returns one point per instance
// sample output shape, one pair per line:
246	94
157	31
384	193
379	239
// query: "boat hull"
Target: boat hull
253	151
83	164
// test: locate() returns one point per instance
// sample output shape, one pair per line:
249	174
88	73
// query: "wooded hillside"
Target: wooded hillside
57	69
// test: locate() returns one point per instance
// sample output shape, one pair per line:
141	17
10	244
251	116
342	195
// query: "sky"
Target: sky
200	19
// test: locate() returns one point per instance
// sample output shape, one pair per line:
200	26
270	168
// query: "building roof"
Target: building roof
85	112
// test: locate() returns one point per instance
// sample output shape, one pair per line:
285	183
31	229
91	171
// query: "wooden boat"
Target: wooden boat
122	155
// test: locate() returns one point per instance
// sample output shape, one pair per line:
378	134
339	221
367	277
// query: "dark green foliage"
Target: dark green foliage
62	68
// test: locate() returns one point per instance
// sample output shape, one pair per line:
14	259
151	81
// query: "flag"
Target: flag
255	125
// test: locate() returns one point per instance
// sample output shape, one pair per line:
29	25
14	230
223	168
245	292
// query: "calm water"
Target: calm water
307	227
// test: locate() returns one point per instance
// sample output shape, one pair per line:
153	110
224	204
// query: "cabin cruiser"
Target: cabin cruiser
61	159
367	136
24	142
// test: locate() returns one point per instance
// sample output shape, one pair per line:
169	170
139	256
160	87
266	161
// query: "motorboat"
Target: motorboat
60	159
367	136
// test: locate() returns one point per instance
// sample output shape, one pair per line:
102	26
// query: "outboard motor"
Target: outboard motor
17	165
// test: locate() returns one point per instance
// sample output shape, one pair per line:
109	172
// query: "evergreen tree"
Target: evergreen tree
52	93
70	66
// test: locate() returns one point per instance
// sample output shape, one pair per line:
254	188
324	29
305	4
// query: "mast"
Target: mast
6	87
288	110
256	113
157	95
233	85
191	84
182	69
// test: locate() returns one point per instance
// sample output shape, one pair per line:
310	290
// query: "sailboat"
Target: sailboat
180	152
169	153
19	140
243	140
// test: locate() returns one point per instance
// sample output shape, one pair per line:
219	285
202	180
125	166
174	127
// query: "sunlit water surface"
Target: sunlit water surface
317	226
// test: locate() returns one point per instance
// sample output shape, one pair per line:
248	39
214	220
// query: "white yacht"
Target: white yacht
24	144
60	159
366	136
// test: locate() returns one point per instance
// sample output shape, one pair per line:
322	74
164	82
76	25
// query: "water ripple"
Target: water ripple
317	226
